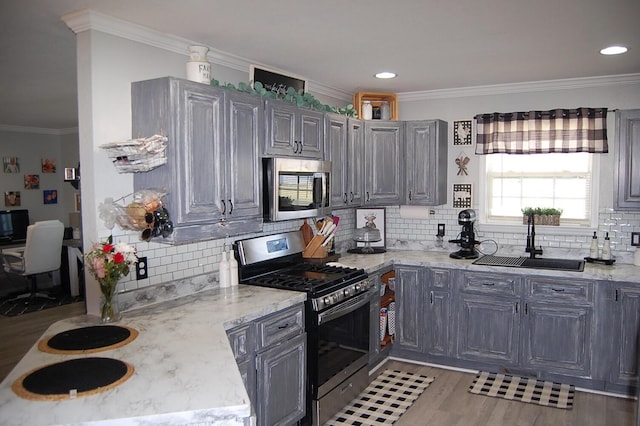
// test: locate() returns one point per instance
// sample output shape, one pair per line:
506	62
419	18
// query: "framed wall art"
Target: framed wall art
276	81
50	196
48	165
10	165
12	198
372	218
462	132
31	181
462	195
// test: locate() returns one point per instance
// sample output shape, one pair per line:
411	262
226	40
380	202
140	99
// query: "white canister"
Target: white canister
198	68
367	110
385	112
636	257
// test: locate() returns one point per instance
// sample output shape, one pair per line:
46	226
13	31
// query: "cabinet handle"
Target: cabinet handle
224	207
526	309
431	297
557	290
351	197
616	294
367	196
282	327
295	147
345	200
488	284
231	204
517	303
301	146
409	195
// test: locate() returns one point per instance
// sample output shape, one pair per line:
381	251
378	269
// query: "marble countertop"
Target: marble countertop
185	371
374	262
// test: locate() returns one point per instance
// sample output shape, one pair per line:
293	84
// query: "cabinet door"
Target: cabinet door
626	326
488	329
245	133
355	156
438	313
627	172
374	321
426	162
384	164
409	308
311	133
557	338
282	382
281	129
336	146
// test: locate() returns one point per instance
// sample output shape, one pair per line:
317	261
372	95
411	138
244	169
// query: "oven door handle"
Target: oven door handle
344	308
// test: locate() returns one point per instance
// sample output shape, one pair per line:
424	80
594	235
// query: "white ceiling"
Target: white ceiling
431	44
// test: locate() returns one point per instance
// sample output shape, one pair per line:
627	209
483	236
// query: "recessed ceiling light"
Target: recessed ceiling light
613	50
386	74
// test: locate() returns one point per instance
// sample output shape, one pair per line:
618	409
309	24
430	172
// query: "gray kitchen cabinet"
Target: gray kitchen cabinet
293	131
557	326
489	321
410	289
344	145
426	162
212	169
374	320
624	312
438	313
627	151
384	163
271	355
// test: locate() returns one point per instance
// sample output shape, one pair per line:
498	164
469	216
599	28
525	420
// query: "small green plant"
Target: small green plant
541	211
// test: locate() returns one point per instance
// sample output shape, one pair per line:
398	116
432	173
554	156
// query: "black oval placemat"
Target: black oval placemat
88	339
73	378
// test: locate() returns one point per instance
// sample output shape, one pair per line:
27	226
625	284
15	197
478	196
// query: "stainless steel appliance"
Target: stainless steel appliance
296	188
336	317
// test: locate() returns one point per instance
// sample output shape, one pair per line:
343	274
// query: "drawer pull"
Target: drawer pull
488	284
557	290
282	327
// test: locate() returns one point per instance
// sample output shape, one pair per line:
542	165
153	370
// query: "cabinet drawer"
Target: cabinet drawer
440	279
241	340
280	326
560	289
482	282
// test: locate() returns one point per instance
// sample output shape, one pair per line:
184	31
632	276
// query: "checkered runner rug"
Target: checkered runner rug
523	389
384	400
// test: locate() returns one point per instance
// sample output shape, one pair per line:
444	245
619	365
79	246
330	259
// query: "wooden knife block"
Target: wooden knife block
314	249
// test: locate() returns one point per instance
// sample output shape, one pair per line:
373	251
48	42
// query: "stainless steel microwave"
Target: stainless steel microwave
295	188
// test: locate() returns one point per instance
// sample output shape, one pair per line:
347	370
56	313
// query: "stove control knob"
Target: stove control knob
347	292
327	301
357	287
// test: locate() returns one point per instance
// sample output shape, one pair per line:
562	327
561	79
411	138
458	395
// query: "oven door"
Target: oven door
342	343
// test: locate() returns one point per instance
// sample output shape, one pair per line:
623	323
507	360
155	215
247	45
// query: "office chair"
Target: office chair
42	253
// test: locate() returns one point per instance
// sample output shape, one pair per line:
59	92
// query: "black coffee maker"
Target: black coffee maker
467	238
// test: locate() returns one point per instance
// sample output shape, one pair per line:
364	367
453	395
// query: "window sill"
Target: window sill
540	229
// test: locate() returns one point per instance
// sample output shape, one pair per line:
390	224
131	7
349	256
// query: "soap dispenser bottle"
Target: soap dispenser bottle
606	248
593	251
233	270
224	271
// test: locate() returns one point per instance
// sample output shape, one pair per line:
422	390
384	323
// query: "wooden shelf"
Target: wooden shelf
389	296
376	100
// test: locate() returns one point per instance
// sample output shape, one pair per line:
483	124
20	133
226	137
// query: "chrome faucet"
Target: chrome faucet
531	238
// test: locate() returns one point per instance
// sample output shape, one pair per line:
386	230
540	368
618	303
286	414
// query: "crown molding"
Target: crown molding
532	86
38	130
87	19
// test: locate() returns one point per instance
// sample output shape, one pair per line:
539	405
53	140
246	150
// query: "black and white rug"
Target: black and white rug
383	402
523	389
20	307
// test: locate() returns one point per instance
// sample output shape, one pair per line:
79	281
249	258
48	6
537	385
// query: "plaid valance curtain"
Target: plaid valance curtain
540	132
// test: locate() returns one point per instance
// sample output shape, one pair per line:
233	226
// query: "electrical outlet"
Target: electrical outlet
440	230
635	239
142	269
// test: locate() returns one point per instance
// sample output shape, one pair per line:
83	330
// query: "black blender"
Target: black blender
467	238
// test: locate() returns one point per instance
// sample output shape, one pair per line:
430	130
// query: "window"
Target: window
562	181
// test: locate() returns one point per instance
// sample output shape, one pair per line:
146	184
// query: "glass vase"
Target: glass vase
109	311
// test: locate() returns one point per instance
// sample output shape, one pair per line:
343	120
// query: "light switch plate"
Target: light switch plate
440	230
635	239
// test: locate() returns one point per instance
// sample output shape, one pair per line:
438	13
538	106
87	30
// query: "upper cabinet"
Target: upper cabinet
627	170
344	145
426	162
293	131
384	163
212	173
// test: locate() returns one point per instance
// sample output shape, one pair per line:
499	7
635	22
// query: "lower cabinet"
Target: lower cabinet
625	328
271	356
438	313
409	308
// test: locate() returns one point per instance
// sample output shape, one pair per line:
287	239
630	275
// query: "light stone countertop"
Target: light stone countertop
185	371
594	271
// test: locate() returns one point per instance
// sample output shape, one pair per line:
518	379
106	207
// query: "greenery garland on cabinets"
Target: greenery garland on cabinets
291	95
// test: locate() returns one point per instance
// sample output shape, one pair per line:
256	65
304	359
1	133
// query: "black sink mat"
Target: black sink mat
72	379
88	339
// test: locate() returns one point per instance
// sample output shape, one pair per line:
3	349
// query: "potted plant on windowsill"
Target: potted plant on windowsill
542	215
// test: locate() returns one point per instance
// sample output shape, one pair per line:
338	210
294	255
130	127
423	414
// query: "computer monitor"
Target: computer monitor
13	226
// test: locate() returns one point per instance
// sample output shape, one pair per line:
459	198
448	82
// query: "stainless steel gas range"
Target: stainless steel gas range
336	317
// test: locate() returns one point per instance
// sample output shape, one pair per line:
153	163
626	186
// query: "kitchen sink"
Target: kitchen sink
537	263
